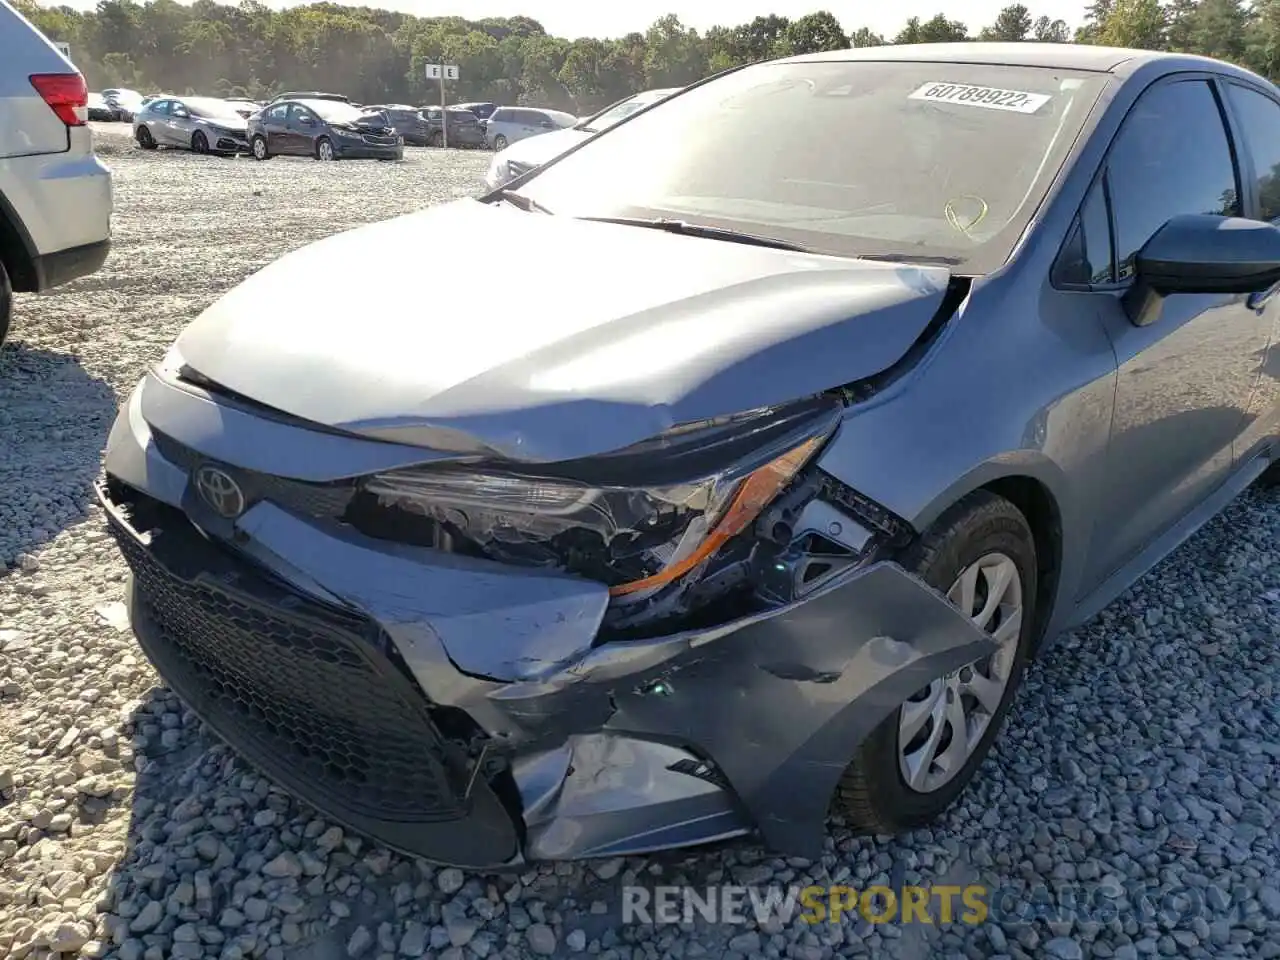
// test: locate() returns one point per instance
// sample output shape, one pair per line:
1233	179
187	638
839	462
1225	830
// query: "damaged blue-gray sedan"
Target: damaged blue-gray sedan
837	385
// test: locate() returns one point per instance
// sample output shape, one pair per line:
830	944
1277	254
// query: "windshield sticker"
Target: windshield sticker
992	98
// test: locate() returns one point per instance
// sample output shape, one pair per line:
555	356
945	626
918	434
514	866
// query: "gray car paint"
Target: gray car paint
594	371
1043	392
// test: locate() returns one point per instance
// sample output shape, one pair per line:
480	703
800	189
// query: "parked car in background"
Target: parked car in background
308	95
324	129
774	532
464	128
99	109
124	103
507	125
406	120
482	109
199	124
55	194
525	155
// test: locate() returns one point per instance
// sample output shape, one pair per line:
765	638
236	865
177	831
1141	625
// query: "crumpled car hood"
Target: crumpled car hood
543	338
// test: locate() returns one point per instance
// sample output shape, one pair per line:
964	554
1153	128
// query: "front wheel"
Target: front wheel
259	147
6	302
199	143
499	142
145	140
324	149
913	766
436	139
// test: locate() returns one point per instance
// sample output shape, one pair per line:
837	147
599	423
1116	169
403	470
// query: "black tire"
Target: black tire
199	143
872	796
6	302
499	142
320	149
1269	479
145	140
436	139
258	148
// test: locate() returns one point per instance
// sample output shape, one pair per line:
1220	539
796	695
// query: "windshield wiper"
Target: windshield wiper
521	202
687	229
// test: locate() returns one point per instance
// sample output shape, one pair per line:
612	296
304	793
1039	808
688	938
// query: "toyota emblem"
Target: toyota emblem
220	491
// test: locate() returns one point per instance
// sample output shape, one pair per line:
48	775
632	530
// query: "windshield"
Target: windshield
335	111
620	111
211	109
851	158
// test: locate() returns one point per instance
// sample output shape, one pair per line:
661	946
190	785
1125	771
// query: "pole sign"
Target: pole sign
443	72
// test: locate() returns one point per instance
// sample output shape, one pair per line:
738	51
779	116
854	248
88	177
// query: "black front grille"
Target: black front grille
305	691
322	500
380	141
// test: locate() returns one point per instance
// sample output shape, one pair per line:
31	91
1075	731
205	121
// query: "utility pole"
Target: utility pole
443	72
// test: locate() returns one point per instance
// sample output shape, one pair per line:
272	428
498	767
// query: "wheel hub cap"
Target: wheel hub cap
941	726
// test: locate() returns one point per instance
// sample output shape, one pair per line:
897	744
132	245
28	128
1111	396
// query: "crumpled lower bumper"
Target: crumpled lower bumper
463	711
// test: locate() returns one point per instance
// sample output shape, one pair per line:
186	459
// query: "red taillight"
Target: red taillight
66	94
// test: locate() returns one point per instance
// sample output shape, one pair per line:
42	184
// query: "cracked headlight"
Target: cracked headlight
638	519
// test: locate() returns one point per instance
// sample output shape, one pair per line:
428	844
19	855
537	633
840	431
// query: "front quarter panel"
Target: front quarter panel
1020	384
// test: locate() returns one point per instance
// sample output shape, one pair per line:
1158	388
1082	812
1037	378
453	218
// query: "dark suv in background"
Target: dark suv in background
464	128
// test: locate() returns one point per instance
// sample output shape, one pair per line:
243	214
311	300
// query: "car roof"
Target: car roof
313	102
1063	56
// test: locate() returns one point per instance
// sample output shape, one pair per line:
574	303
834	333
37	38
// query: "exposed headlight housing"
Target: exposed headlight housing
639	519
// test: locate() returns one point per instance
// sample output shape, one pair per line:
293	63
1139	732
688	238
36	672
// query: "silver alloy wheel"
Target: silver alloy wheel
325	150
941	726
260	148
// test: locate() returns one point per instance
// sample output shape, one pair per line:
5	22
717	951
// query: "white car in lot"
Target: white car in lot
55	194
508	125
519	158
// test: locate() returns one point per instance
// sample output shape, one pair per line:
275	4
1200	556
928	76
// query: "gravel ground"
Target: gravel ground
1141	758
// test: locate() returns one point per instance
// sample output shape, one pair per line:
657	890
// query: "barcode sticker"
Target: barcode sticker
990	98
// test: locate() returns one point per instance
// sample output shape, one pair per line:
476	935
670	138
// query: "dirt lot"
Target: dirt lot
1142	758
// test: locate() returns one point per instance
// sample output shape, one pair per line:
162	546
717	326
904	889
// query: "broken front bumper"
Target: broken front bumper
463	712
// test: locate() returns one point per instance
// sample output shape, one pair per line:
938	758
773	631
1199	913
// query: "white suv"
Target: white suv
55	195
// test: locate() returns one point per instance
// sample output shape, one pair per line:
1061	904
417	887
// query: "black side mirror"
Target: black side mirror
1202	253
306	121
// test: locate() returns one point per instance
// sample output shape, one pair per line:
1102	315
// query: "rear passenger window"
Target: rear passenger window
1259	118
1171	157
1087	257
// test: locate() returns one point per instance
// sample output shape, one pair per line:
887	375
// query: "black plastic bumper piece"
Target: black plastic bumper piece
307	693
55	269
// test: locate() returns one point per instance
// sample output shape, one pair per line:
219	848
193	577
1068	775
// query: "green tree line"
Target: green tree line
378	55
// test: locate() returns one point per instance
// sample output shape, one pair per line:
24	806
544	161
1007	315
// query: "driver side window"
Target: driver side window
1171	157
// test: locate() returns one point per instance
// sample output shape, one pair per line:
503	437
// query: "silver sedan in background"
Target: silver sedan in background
199	124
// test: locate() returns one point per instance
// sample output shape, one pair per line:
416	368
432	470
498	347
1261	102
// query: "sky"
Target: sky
579	18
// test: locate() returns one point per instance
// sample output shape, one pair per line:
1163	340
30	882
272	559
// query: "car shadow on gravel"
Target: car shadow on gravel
54	421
